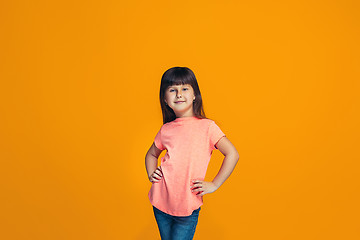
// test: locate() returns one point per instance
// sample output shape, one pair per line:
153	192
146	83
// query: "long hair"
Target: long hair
178	76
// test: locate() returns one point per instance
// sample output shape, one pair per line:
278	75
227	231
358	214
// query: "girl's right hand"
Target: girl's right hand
156	175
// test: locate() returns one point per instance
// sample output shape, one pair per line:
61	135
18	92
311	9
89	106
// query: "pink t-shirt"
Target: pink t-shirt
189	142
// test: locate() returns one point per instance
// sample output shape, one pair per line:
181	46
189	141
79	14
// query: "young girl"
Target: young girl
189	138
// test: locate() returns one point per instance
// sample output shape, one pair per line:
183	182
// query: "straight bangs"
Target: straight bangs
178	78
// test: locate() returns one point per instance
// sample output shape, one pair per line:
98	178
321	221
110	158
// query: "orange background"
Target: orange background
79	109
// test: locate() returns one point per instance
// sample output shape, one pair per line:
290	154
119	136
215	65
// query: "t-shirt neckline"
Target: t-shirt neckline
181	119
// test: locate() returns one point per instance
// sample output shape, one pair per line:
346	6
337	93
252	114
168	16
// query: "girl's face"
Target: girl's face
180	99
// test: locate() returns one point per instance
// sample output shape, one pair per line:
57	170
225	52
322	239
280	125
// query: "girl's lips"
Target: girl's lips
180	102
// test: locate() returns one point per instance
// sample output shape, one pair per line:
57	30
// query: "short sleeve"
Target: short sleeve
215	134
157	141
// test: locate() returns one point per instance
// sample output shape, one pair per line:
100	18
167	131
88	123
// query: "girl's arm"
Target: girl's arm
231	158
151	161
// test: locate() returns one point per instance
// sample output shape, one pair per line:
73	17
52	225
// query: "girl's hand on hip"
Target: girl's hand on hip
156	175
202	187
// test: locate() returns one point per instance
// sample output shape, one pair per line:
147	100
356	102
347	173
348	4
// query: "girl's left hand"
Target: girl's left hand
203	187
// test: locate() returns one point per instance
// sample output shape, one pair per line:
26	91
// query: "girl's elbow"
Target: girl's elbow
236	155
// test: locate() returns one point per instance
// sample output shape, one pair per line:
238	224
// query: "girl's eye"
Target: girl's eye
171	90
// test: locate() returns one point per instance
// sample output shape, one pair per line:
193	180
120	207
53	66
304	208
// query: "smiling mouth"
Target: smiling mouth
180	102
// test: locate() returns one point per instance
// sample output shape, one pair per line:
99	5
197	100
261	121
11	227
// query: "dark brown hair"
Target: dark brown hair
178	76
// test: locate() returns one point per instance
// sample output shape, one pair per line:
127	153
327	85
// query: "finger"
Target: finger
197	181
197	190
158	172
197	185
154	179
155	175
201	194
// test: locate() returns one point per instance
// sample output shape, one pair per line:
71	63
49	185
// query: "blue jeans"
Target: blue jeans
175	227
